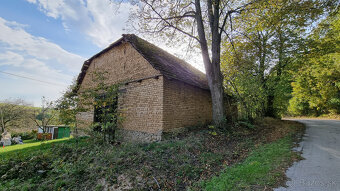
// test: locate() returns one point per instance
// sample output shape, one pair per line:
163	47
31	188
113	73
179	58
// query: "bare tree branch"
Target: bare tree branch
168	23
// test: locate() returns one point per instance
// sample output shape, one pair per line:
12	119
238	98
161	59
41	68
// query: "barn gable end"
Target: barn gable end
122	63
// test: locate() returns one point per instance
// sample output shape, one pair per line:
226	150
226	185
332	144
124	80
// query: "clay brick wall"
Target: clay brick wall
185	105
84	119
122	63
140	102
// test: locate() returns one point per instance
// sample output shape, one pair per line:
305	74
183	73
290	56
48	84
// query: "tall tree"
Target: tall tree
11	111
201	21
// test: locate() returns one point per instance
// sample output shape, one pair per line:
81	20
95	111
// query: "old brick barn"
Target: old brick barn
160	92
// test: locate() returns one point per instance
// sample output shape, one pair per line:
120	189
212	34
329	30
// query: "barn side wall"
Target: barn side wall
185	105
141	106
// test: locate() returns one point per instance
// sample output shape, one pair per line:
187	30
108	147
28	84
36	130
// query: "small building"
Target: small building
159	91
54	132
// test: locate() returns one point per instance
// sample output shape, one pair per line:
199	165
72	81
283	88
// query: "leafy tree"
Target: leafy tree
45	115
11	111
292	22
316	86
68	107
204	24
240	80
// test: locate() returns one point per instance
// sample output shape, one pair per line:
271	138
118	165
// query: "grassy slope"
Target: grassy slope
261	170
28	147
179	162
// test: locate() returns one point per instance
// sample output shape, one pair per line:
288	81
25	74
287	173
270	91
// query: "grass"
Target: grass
28	144
26	150
190	160
262	169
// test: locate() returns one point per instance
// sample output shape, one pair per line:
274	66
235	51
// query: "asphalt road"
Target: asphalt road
320	171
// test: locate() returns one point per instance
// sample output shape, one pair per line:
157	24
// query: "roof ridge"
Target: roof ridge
175	57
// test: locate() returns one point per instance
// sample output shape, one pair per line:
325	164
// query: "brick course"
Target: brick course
185	105
141	105
122	63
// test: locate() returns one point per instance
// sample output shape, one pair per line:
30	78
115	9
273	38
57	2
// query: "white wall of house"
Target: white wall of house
48	130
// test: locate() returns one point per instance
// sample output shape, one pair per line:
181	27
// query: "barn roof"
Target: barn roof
169	65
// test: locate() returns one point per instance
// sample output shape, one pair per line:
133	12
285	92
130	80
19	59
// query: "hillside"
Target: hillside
181	161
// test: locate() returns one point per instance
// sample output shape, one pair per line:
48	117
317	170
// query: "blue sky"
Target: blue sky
48	40
39	24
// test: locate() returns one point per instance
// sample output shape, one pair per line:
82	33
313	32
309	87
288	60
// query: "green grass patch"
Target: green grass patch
28	143
261	169
26	149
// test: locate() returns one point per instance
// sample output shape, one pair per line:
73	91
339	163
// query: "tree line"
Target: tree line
279	64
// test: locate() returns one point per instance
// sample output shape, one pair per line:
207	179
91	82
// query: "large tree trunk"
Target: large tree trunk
216	90
212	67
2	122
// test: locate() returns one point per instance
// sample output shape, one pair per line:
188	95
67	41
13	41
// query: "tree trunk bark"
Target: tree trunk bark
2	122
216	90
212	67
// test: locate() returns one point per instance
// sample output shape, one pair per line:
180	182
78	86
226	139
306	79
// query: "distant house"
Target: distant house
160	92
54	132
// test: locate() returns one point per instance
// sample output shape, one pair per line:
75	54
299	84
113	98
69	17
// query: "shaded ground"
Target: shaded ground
180	161
321	149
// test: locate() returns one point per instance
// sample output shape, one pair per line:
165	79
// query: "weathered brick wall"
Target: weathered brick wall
185	105
141	105
122	63
84	119
140	102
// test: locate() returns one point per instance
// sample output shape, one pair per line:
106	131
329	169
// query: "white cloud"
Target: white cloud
22	54
32	1
11	59
108	21
17	39
101	20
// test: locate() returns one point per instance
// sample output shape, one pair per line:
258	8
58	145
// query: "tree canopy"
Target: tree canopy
268	50
316	89
12	112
